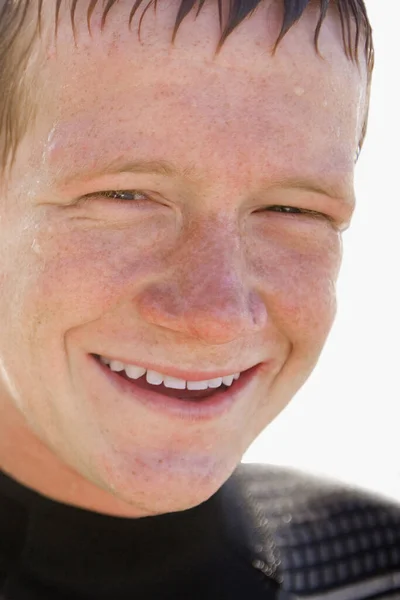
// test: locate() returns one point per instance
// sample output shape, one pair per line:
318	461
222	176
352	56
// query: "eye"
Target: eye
292	210
121	195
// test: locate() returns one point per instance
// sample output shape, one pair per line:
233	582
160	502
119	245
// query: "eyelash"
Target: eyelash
109	194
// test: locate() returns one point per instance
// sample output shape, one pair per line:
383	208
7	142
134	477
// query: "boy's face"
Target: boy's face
199	271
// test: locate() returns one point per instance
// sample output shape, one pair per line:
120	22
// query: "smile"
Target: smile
204	401
155	378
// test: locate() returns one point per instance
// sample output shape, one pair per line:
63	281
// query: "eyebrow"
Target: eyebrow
154	167
327	189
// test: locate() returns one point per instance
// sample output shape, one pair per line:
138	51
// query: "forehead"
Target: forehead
113	94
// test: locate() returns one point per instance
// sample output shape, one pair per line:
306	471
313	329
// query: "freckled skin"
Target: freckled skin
201	274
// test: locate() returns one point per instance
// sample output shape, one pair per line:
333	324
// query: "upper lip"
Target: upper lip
186	374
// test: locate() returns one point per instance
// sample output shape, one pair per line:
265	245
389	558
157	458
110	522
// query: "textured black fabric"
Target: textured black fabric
268	534
68	553
331	540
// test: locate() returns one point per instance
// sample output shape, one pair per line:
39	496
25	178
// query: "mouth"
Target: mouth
193	403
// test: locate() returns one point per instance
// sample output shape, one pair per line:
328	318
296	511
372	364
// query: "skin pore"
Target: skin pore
199	269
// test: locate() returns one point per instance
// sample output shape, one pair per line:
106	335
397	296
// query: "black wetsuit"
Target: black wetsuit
268	534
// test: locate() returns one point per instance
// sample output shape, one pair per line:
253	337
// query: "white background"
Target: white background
344	423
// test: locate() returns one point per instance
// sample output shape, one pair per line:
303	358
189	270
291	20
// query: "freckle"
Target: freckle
299	91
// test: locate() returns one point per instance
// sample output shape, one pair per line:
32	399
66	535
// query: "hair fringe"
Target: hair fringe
352	14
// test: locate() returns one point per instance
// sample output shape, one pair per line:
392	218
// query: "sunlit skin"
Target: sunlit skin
197	270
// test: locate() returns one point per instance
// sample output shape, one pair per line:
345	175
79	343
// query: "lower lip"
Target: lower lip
203	410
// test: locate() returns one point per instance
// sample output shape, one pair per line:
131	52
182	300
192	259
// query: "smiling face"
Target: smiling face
198	268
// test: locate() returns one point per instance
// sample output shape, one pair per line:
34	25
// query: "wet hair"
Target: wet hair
18	104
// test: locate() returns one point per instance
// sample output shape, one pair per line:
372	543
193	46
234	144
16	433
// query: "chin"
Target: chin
169	490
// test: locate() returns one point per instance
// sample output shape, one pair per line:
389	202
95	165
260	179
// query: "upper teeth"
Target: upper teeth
134	372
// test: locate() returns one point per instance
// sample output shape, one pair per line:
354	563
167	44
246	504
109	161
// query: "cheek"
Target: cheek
81	275
309	304
299	283
64	281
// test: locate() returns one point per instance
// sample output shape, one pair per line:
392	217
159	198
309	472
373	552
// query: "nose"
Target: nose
206	295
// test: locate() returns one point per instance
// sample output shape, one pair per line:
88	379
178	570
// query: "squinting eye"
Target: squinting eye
120	196
286	209
292	210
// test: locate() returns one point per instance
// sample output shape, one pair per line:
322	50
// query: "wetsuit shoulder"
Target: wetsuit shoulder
323	539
